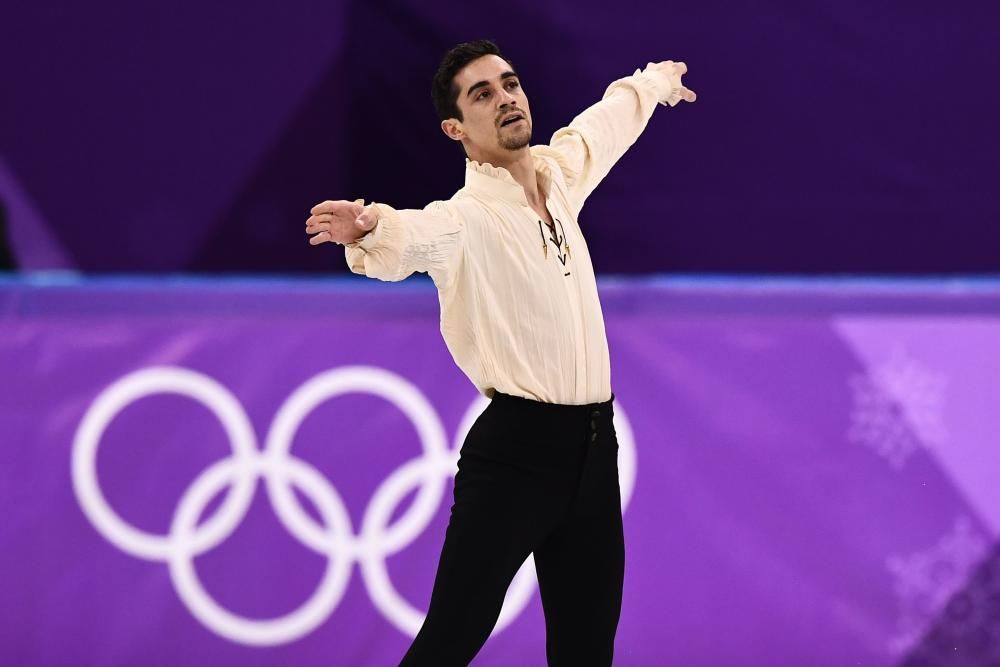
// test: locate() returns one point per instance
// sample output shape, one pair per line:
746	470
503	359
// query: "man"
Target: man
520	314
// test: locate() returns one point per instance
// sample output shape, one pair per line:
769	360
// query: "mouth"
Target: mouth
511	119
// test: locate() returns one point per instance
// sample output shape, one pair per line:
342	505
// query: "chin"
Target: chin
514	142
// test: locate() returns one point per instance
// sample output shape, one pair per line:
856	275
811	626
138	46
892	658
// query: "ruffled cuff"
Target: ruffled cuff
377	253
668	88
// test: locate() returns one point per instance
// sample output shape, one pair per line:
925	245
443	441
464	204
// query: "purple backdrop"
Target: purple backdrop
809	472
839	136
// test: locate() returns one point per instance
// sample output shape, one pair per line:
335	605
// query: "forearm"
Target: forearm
405	241
611	126
597	138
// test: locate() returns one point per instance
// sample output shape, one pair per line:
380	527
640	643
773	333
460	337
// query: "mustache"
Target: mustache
511	114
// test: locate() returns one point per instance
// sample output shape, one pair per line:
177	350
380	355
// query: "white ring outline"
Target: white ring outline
131	387
186	540
293	625
329	384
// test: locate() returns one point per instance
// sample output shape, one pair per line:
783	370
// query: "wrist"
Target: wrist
368	238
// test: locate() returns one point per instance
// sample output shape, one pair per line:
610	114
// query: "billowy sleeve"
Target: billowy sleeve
427	240
597	138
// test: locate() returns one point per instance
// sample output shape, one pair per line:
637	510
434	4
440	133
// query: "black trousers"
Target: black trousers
532	478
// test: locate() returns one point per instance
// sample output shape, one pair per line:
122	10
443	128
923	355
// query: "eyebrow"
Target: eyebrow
479	84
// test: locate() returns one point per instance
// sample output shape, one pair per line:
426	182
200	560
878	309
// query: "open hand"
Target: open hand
340	221
674	72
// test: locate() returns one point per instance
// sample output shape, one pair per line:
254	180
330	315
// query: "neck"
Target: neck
522	167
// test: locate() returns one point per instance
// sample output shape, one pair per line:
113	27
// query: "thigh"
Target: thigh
581	565
497	516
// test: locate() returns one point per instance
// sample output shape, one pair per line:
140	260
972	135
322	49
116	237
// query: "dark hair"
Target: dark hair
444	92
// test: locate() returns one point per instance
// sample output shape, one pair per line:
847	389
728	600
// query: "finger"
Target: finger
688	95
681	67
336	207
320	227
317	219
327	206
322	237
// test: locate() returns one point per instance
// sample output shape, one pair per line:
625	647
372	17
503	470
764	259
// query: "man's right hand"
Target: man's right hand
340	221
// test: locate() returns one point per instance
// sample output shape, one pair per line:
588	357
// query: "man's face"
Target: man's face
495	113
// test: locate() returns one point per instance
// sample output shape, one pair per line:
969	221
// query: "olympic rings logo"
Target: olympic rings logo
336	538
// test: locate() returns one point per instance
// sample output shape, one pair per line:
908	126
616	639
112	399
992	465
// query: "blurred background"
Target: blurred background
827	137
800	275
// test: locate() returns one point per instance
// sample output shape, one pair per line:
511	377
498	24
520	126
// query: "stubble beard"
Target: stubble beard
513	141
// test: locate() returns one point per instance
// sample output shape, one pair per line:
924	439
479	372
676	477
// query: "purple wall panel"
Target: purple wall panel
829	137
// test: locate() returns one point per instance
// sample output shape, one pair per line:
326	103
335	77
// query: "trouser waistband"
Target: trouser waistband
555	409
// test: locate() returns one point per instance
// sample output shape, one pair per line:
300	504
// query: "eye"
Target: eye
483	95
512	84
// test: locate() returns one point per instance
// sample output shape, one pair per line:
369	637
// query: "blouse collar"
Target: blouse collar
484	178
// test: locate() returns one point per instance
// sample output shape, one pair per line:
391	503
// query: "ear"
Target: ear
453	129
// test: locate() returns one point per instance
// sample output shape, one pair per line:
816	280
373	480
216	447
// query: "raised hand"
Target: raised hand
340	221
674	71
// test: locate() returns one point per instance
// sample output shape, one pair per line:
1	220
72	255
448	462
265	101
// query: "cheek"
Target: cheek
485	126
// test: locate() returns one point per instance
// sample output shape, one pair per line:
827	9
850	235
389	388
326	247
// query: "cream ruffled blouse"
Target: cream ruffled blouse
520	312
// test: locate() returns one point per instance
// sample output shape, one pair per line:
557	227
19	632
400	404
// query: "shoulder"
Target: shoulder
456	211
552	162
547	155
464	204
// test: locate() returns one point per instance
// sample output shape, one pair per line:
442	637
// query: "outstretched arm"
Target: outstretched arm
595	140
388	244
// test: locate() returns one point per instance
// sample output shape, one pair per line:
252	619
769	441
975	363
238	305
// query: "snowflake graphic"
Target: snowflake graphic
897	408
926	583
